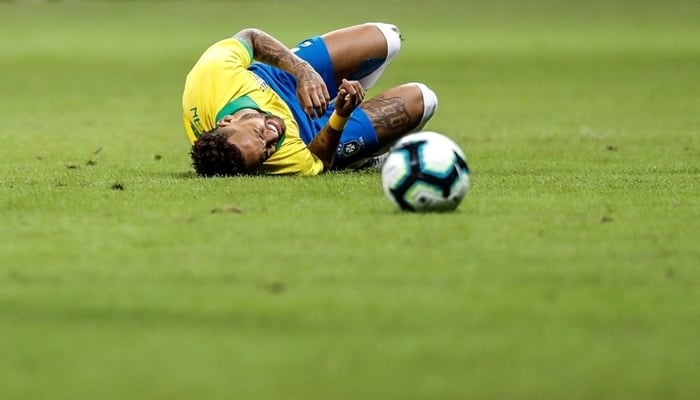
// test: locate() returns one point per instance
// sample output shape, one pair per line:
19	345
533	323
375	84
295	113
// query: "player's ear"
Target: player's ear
227	120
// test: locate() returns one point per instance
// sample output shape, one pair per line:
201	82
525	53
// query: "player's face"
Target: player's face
256	135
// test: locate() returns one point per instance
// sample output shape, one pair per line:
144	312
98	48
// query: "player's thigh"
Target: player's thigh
350	47
350	53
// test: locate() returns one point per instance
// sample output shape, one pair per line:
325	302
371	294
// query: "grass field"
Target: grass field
571	270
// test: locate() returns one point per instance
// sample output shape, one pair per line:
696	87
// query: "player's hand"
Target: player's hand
311	90
350	95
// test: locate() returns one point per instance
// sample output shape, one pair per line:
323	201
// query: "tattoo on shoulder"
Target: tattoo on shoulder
387	112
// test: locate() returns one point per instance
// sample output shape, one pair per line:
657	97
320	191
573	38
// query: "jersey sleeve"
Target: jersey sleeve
293	158
232	52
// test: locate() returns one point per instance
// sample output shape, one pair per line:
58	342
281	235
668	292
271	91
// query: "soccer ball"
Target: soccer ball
425	172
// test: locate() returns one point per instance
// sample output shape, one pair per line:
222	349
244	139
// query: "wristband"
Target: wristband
336	122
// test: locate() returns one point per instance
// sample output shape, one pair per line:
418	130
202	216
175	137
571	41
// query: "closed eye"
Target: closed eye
249	116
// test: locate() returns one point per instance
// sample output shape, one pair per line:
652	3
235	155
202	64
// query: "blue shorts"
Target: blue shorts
359	139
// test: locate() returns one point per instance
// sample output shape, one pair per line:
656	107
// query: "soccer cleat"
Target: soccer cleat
375	162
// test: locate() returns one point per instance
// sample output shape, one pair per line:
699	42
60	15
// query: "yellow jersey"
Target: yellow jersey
220	84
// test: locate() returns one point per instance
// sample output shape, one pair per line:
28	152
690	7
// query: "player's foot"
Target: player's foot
375	162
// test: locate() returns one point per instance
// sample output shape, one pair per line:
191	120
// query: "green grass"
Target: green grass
569	272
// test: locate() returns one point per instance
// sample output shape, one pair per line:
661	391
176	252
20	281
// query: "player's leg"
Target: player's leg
362	52
399	111
359	52
382	120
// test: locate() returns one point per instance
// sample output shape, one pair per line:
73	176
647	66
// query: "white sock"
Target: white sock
393	44
430	104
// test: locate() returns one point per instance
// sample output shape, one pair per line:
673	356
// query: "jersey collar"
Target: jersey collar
239	104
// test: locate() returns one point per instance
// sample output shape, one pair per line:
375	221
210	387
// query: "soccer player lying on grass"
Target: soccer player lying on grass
253	106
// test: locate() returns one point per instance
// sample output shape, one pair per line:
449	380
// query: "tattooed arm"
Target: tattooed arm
311	90
324	145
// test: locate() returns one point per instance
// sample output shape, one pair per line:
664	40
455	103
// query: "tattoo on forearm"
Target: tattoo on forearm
269	51
324	145
388	112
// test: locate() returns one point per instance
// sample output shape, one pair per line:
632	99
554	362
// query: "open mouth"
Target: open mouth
276	125
273	127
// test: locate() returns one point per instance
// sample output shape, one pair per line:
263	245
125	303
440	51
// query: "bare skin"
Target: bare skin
350	95
256	133
311	90
393	113
350	47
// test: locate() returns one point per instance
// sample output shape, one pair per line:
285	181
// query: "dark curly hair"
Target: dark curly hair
213	155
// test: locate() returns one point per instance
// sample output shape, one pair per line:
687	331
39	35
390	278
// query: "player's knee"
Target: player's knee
375	60
430	100
393	38
430	104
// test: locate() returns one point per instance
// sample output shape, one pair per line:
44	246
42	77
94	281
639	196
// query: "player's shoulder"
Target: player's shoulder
233	45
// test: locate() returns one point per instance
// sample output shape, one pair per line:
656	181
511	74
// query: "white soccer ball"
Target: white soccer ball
425	172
